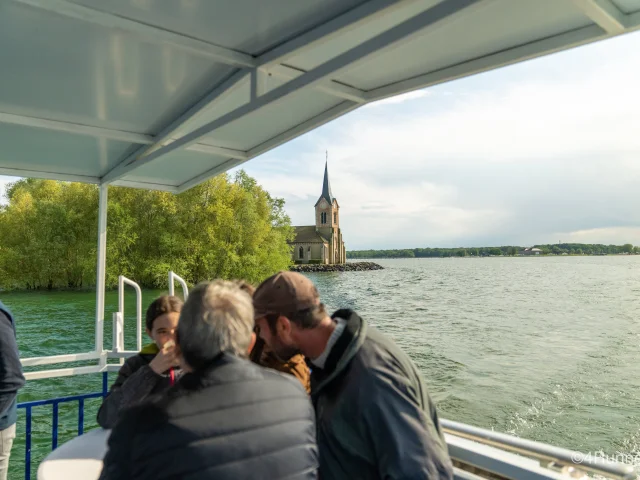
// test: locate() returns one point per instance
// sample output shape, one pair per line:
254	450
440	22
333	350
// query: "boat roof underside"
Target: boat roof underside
163	94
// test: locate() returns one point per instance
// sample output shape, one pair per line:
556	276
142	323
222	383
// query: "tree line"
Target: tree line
227	227
556	249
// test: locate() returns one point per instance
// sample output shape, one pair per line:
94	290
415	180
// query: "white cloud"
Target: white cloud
525	120
400	98
602	235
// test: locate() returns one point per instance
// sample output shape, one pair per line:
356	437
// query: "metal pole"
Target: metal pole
101	271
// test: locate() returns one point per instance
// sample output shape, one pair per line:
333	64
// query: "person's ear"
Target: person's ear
149	333
283	327
252	343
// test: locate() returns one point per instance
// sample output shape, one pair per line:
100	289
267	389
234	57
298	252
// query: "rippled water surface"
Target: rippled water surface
544	348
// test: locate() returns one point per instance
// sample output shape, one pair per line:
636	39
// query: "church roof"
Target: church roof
326	186
308	234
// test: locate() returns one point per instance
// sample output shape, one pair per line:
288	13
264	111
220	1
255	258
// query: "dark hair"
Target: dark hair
160	306
305	319
245	287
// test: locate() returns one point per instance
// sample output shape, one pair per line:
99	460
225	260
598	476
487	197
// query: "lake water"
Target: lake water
543	348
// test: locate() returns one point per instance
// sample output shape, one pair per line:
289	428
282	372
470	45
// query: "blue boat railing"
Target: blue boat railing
55	402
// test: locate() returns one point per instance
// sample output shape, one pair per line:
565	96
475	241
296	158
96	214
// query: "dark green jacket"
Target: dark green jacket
375	419
136	381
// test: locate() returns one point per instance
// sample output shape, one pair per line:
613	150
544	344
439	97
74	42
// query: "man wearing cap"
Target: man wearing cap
374	416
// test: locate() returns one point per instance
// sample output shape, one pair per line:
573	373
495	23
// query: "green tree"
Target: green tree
224	228
46	235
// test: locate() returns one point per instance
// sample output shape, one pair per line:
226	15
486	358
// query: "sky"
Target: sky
545	151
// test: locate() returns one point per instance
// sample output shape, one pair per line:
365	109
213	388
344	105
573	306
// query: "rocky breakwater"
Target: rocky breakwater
345	267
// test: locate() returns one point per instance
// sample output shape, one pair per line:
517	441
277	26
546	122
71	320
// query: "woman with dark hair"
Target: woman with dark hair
151	371
260	354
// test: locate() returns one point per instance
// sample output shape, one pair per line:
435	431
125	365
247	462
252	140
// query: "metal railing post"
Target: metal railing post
105	384
54	427
122	280
118	333
172	279
27	446
80	416
101	271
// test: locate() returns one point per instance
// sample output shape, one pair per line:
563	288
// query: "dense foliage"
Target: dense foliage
228	228
559	249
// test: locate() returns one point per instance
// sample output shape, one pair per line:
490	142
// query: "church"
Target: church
322	242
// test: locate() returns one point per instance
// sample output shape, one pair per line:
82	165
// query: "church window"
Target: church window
301	252
335	217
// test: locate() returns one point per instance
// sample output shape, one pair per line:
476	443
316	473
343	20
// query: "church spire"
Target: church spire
326	185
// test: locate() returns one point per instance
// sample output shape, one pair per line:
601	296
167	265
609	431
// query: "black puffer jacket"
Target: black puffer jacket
135	383
234	420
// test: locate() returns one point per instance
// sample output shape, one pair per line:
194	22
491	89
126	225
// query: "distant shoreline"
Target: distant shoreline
351	260
560	249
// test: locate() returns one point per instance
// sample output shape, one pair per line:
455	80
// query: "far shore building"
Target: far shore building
321	243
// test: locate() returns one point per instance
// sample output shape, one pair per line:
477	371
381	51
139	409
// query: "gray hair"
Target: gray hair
216	318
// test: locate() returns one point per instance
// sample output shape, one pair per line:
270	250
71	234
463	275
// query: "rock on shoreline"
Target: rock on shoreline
345	267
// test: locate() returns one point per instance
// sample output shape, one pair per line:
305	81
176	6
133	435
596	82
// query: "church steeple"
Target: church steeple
326	185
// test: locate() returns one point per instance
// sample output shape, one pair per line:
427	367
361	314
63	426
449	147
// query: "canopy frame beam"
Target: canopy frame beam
221	54
114	22
434	17
605	14
304	127
119	135
510	56
266	62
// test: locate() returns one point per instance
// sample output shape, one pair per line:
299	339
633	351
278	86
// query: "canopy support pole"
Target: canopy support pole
101	271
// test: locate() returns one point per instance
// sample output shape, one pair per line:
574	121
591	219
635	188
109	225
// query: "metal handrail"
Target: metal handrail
526	448
173	277
55	402
540	451
122	280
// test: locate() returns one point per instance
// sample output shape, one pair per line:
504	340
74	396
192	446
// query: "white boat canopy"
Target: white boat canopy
163	94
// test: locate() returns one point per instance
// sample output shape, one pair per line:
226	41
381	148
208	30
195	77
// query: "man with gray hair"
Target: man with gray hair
226	418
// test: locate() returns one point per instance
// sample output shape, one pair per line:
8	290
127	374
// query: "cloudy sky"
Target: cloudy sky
541	152
544	151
